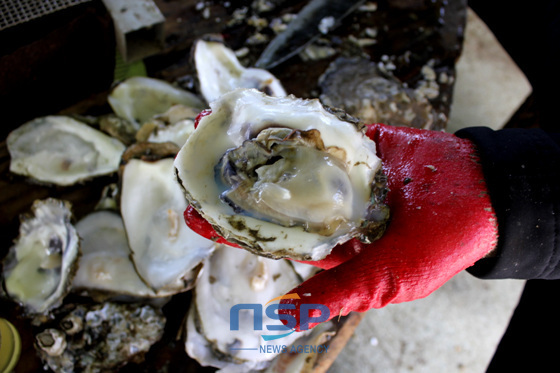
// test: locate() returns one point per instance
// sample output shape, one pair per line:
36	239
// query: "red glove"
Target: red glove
442	222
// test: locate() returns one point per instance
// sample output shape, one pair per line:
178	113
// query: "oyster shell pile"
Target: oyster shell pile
248	169
283	177
135	247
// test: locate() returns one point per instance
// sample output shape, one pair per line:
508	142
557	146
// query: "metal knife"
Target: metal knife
305	28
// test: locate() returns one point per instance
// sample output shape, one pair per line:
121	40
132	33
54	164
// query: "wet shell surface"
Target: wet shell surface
231	277
139	99
165	252
283	177
40	266
105	265
219	72
61	150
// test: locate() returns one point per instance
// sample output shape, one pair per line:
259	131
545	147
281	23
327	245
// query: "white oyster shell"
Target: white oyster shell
230	277
40	266
105	264
303	200
175	125
219	71
61	150
138	99
165	252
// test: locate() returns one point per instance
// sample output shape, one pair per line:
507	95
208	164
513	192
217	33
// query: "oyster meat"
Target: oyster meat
283	177
105	265
166	253
231	277
40	266
61	150
139	99
219	71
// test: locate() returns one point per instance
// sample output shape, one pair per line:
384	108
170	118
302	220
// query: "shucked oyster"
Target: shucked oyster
40	266
283	177
220	72
61	150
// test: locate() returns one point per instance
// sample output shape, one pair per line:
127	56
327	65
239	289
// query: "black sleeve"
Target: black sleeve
522	171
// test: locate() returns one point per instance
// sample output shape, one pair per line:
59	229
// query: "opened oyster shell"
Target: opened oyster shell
232	277
40	266
139	99
219	71
283	177
166	253
175	125
61	150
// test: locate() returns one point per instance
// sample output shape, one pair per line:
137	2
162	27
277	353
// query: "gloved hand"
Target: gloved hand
442	222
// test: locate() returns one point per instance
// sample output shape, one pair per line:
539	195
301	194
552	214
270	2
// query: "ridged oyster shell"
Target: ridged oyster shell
99	337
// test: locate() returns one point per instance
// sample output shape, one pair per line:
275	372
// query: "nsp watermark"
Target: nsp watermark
288	322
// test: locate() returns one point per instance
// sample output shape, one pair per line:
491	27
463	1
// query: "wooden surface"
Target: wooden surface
421	31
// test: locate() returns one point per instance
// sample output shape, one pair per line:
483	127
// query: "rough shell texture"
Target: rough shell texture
100	338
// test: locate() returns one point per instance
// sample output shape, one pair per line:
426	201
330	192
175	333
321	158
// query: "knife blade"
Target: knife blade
315	19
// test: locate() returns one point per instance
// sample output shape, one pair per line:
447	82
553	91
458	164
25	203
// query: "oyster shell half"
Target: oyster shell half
105	264
175	125
40	266
61	150
283	177
138	99
219	71
232	277
166	253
